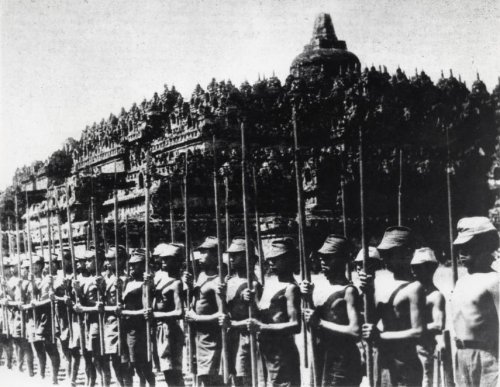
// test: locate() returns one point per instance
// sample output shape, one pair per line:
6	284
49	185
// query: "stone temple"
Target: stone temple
325	54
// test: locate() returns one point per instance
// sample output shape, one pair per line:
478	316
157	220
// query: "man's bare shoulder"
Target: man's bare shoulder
413	289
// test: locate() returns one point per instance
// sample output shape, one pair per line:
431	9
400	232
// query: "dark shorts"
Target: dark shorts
136	339
280	360
476	367
339	363
398	365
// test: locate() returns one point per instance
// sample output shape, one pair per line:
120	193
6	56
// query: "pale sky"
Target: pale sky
66	64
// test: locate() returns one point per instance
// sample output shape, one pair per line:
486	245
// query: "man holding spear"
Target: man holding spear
336	317
400	305
114	279
239	360
205	315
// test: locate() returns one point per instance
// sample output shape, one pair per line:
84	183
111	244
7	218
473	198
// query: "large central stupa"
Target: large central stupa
325	55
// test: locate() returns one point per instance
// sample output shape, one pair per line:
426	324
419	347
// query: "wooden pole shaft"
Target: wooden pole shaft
257	226
454	263
49	238
225	352
147	247
73	266
253	344
364	244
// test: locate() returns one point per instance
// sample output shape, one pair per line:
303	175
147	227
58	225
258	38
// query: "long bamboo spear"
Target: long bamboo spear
127	242
9	239
61	251
147	298
454	265
117	271
344	217
100	316
191	348
30	255
18	248
73	267
400	189
253	346
52	308
305	274
225	352
226	209
5	325
257	226
171	211
103	235
364	243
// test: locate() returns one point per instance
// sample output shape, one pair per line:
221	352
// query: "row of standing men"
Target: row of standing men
103	319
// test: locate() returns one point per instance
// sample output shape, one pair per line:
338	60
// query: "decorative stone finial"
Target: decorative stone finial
323	32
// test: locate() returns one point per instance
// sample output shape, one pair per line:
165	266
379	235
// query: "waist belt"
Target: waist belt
474	344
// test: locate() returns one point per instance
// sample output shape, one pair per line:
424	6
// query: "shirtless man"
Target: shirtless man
41	336
400	307
278	316
134	319
205	315
475	304
88	289
167	310
237	309
18	287
423	266
5	337
336	317
113	344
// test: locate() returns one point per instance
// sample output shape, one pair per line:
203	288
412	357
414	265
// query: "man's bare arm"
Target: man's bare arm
353	328
438	322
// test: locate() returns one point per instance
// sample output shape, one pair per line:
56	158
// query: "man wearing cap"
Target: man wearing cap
475	303
113	344
278	318
423	266
78	331
400	306
237	308
62	286
6	339
335	317
41	326
91	307
135	315
205	315
18	287
167	310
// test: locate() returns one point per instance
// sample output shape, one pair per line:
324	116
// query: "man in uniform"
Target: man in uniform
336	317
168	309
423	266
278	317
205	315
475	304
400	306
113	343
135	315
237	309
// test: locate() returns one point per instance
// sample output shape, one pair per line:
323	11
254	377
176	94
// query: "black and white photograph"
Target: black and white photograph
252	193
